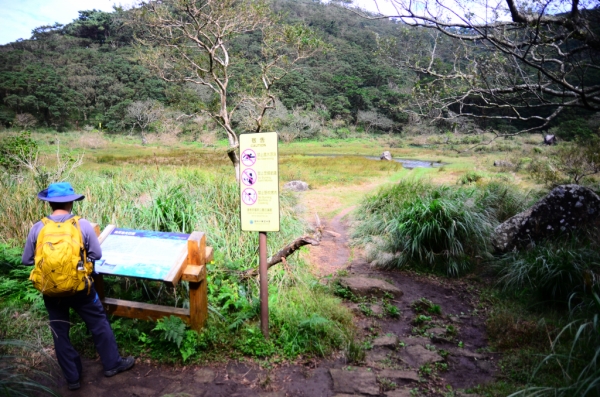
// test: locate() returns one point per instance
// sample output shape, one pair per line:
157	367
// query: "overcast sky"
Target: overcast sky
19	17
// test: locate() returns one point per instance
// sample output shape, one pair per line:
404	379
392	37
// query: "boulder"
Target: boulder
565	208
366	286
550	139
386	156
503	163
296	186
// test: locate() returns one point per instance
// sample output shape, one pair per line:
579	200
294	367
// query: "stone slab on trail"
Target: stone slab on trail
386	341
205	375
418	355
367	286
356	381
396	374
399	393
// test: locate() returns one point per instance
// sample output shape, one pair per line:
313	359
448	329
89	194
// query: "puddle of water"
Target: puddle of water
409	164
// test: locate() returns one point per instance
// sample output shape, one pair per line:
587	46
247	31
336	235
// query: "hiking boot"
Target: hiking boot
74	386
126	364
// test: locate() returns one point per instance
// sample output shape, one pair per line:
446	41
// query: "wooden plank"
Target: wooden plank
96	228
192	256
198	304
144	311
106	232
209	255
98	278
198	291
174	275
193	273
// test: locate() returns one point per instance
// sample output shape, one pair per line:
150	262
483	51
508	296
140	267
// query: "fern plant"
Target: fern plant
172	328
16	287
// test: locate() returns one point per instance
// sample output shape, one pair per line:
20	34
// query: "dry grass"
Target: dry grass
208	139
91	140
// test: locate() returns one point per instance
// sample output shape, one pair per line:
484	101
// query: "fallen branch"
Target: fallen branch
289	249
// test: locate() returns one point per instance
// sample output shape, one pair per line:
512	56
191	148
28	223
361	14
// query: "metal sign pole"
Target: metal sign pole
264	286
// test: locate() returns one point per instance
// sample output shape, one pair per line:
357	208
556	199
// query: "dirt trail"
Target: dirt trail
400	359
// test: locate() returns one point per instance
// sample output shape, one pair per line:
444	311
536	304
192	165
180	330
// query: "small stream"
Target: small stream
409	164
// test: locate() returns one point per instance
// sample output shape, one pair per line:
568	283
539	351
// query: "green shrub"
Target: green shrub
470	177
576	128
15	149
554	270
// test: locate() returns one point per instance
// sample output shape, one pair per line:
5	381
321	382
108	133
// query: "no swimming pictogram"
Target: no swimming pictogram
249	177
249	196
248	157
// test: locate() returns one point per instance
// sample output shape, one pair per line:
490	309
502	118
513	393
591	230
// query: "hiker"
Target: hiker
66	245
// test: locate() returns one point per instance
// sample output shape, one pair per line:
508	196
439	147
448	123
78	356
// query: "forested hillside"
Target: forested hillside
86	72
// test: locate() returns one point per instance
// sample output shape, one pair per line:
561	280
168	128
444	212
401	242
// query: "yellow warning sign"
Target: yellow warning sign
259	182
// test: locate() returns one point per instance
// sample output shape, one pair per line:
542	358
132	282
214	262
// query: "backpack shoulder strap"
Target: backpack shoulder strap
75	222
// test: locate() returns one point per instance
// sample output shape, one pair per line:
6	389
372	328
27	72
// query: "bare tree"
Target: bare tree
144	113
370	118
25	120
188	41
508	59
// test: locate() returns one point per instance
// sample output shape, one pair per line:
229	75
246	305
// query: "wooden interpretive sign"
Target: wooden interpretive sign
161	256
143	254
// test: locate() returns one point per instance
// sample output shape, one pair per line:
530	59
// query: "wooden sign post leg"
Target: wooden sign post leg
198	290
264	284
98	278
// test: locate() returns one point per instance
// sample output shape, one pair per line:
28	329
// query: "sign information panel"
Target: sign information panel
141	253
259	182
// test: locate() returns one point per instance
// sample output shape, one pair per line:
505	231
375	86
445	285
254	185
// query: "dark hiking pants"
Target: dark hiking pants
90	309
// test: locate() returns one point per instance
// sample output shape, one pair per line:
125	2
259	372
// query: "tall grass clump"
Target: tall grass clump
18	376
576	351
417	224
563	269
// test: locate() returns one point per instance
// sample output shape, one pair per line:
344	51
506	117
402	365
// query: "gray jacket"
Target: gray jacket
90	241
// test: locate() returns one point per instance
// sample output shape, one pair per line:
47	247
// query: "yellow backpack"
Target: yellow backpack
61	267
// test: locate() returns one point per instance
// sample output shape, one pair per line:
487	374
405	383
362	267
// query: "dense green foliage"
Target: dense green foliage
306	318
16	149
86	72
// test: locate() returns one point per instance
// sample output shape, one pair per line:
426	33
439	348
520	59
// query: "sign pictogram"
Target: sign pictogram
248	157
249	196
249	177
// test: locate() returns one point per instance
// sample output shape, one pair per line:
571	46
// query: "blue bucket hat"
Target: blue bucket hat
61	192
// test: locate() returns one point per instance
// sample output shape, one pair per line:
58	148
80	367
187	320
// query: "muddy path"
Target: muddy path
442	351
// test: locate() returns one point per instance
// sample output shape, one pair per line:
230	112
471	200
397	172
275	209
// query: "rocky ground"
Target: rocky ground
423	337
